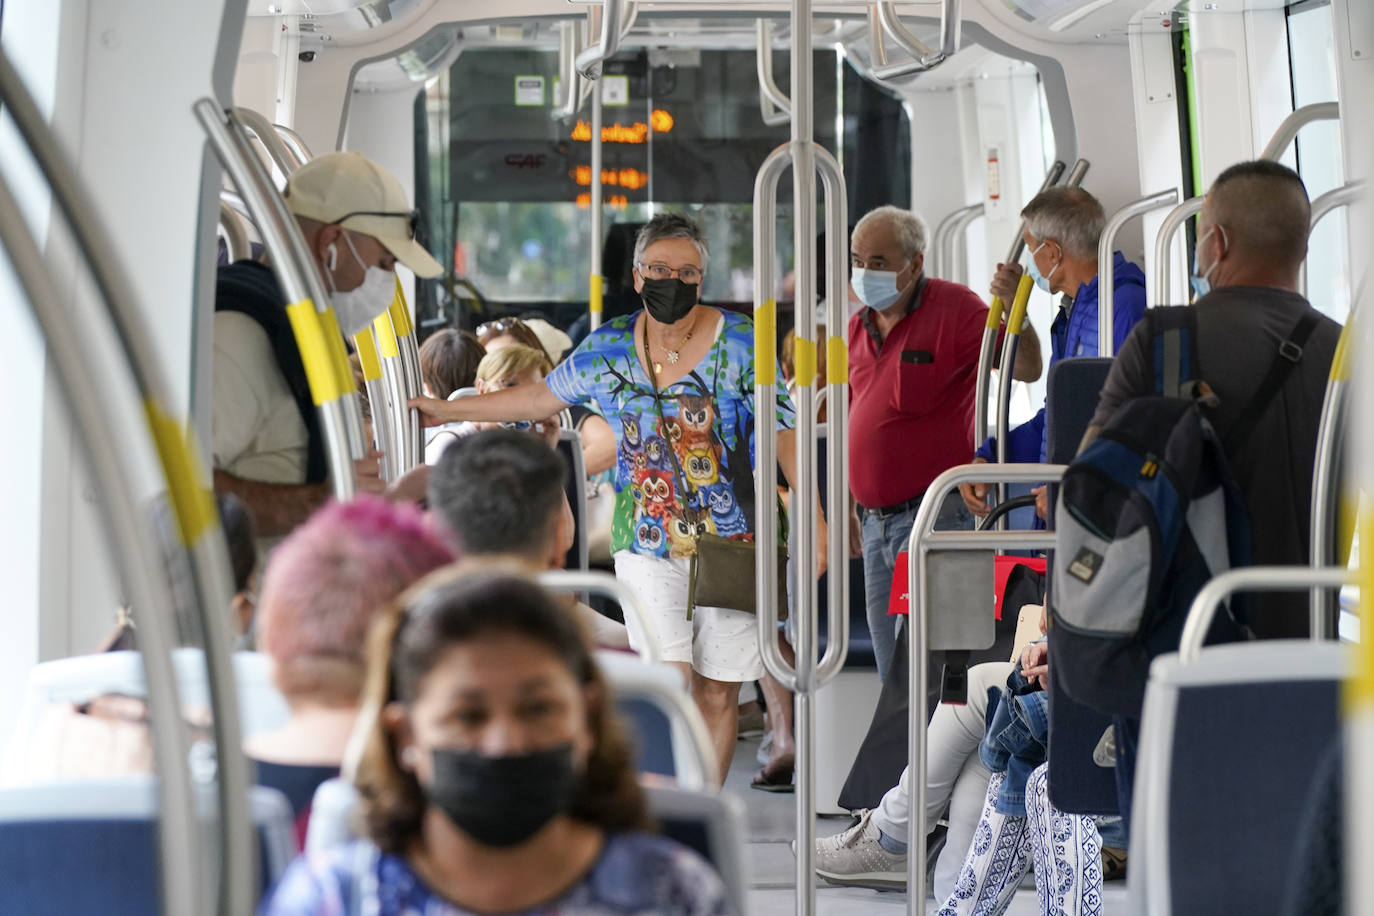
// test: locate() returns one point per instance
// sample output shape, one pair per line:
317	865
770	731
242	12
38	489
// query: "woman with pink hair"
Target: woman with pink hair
323	587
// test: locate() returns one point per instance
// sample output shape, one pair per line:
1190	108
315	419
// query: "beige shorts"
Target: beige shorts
719	643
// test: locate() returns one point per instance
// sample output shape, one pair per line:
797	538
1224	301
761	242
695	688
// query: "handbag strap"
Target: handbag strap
684	486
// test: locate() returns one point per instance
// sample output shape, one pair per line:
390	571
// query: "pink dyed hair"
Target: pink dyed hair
327	581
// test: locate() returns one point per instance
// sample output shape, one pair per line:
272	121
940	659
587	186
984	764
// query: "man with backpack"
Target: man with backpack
1199	456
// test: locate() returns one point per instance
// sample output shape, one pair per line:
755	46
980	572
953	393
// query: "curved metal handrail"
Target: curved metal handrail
1325	491
295	143
1164	241
291	265
946	242
926	58
983	380
923	538
589	62
1106	267
1249	579
267	135
1288	130
774	106
191	501
564	580
567	71
236	242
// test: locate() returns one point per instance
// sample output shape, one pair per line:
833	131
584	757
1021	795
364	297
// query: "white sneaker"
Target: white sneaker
855	857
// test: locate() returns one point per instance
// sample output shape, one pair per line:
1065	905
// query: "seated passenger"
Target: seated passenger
496	779
501	494
267	447
1063	227
872	853
322	589
504	332
507	367
449	360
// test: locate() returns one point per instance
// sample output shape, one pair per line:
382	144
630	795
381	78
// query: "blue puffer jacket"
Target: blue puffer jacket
1074	333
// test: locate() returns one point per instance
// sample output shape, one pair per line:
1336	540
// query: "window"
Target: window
509	185
1312	56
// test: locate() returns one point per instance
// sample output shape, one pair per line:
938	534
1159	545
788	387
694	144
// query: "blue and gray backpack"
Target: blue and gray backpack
1147	514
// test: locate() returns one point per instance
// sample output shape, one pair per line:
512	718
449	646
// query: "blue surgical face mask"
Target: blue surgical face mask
876	289
1202	282
1041	280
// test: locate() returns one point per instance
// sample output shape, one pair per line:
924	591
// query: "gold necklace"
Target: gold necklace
672	355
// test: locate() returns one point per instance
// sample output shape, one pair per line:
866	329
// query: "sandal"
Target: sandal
1113	864
777	779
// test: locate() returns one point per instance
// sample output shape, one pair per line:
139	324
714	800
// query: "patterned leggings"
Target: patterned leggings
1066	850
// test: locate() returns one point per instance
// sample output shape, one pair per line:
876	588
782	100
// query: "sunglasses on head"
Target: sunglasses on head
497	326
412	218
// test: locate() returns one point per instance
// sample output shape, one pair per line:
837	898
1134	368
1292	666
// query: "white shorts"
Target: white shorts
719	643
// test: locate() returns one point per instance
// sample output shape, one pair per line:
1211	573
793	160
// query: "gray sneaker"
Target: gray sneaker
856	858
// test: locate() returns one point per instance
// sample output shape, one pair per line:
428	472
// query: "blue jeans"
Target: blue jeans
883	539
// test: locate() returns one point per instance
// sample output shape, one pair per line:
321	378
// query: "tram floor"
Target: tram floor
770	827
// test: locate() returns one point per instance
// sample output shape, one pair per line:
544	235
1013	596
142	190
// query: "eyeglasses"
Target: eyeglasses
687	274
498	326
412	218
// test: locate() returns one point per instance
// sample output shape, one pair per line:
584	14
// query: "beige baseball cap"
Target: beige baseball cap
350	190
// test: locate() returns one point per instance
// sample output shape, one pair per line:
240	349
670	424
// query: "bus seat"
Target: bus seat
650	699
1077	785
709	824
91	847
81	678
1228	747
570	447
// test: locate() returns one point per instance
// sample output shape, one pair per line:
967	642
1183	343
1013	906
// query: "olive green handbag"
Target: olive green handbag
722	571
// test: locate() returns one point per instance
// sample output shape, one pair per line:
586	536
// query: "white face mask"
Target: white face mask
355	308
875	288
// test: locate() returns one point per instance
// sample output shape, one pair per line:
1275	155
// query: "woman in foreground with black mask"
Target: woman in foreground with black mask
676	383
496	778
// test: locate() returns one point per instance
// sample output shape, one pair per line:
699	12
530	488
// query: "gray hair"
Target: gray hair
1070	216
666	226
909	228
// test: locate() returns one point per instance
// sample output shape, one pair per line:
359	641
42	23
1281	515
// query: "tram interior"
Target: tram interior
476	106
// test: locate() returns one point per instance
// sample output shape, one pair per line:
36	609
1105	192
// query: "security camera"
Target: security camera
306	57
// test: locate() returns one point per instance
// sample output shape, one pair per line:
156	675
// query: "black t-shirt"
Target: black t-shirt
1239	331
251	288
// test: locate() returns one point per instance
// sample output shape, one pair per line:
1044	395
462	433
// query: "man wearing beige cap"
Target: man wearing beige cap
267	445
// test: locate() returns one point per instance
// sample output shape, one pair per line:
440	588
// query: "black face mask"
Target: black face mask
668	301
503	801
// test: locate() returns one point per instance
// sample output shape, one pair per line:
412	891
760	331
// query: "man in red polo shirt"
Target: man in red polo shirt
913	355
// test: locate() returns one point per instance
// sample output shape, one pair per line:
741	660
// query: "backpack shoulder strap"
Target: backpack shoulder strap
1173	353
1285	361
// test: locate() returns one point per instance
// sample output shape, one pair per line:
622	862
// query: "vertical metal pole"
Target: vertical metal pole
594	297
804	477
1164	244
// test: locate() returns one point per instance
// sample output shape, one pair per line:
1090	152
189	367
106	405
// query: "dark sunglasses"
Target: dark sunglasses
411	217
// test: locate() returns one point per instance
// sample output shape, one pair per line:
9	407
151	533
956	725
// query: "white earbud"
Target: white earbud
410	756
333	256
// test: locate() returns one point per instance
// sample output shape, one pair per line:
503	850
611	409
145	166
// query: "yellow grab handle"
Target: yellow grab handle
338	353
193	501
805	362
596	298
1359	689
386	336
400	312
766	343
320	370
995	313
837	361
1340	364
367	355
1017	319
